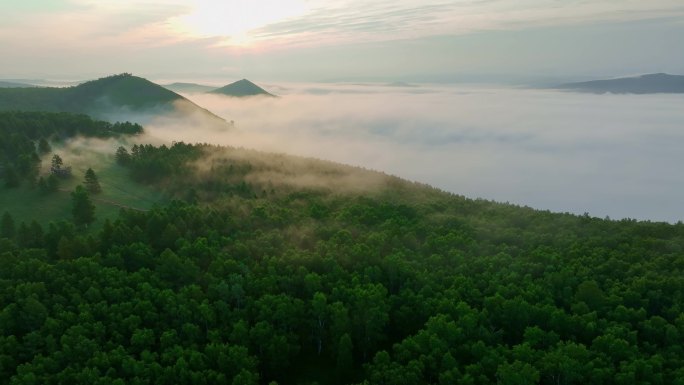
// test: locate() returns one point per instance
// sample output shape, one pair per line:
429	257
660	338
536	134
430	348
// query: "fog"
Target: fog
608	155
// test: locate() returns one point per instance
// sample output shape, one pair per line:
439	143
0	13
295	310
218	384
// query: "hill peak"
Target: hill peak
241	88
109	98
126	89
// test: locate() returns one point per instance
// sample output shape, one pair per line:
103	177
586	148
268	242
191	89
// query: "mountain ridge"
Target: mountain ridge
8	84
643	84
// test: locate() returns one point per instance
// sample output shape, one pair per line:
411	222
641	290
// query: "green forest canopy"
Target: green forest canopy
267	268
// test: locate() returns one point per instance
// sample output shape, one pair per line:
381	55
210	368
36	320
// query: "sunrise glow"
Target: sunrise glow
236	21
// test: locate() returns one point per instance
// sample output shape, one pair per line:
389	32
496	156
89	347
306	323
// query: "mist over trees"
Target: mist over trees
25	137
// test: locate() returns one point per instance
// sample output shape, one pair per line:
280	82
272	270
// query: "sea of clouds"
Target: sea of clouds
608	155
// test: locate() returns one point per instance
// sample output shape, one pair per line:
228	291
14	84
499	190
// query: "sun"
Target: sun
235	20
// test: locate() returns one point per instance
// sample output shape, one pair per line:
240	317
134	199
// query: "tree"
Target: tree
369	316
319	309
345	360
48	185
517	373
7	228
11	177
52	184
42	185
122	156
57	167
91	182
590	293
57	163
43	146
82	209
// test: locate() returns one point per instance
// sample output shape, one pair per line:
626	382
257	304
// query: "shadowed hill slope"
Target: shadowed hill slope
108	98
188	87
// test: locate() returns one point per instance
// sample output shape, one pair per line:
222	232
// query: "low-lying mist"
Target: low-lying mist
608	155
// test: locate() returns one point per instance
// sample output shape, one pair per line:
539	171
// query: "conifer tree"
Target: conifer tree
11	177
7	228
57	163
83	209
92	184
122	156
44	146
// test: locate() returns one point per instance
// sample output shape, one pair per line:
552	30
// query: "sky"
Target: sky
328	40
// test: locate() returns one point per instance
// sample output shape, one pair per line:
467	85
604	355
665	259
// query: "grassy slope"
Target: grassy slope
27	204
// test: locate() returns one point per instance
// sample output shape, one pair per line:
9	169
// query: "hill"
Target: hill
123	90
5	84
111	98
242	88
188	87
265	267
645	84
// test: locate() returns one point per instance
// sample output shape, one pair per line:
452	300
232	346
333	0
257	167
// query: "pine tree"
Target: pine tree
345	360
43	146
7	228
83	209
122	156
57	168
91	182
52	183
57	163
11	177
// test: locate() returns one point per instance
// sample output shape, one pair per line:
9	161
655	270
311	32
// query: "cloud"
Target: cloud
355	21
88	24
430	40
615	155
299	23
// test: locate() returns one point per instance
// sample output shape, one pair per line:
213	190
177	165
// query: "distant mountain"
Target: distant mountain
188	87
4	84
645	84
242	88
117	97
400	84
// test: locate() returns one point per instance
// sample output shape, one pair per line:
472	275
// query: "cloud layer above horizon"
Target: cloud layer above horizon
172	36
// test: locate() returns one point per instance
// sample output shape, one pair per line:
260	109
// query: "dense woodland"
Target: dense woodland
251	276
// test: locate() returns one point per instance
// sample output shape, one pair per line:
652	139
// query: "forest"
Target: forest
270	269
